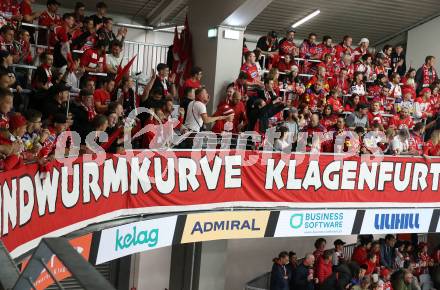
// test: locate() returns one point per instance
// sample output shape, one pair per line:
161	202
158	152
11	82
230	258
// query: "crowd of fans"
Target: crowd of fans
313	88
386	264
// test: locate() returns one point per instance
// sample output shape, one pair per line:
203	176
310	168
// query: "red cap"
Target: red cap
424	90
384	272
17	121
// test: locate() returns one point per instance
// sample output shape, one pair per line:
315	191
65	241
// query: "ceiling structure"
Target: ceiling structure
375	19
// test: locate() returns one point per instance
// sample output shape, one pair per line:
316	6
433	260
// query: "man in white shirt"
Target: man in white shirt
114	59
196	114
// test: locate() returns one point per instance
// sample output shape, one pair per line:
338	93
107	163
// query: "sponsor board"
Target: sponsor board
57	268
394	221
225	225
136	237
315	223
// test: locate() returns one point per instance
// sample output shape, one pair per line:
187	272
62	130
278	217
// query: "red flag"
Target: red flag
123	71
185	65
176	51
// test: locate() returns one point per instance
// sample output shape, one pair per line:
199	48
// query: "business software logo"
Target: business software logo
296	220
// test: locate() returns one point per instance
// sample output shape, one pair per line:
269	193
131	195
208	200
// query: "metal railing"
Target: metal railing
148	56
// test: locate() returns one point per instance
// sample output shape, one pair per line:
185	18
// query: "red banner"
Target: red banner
70	197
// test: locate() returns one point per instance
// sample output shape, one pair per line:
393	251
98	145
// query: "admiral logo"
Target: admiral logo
225	225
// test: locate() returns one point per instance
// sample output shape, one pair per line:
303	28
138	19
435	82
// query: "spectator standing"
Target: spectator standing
398	62
427	74
50	19
101	12
338	254
197	115
387	252
287	44
324	266
304	277
279	278
115	58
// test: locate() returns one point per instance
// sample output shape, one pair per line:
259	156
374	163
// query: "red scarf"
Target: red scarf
48	71
427	80
91	113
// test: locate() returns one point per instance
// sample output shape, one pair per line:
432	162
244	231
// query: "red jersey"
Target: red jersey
329	121
285	67
314	99
25	8
225	109
341	50
430	149
89	41
350	68
251	72
359	255
47	19
375	117
336	104
91	59
49	145
358	53
339	83
102	96
399	123
286	47
9	8
416	143
189	83
322	49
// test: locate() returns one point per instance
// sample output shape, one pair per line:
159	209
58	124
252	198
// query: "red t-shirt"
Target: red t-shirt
399	123
25	8
189	83
101	96
225	109
48	20
336	104
431	149
375	117
91	59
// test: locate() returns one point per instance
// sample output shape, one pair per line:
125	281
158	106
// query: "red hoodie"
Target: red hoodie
323	270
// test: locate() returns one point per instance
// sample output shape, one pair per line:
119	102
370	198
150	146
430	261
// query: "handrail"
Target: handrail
143	43
34	25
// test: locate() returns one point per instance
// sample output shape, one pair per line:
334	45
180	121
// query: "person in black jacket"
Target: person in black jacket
260	112
83	115
279	277
303	279
398	61
341	277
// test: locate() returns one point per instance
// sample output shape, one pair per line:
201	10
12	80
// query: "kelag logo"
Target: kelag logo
315	222
132	239
394	221
136	237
